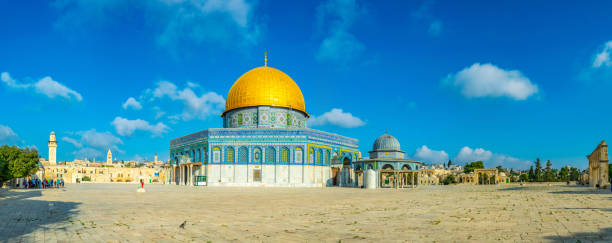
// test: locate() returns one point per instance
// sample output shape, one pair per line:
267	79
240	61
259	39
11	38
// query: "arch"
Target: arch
271	155
257	155
243	155
406	167
320	156
311	156
284	157
298	155
387	167
229	155
370	167
216	155
327	157
346	161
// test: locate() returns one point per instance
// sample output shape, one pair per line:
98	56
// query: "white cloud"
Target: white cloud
194	106
102	140
431	156
125	127
174	23
164	88
7	135
490	159
602	59
467	154
336	117
52	89
92	143
72	141
337	17
9	81
89	153
488	80
46	86
132	103
158	112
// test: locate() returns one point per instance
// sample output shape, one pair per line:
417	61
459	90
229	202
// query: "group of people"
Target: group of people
38	183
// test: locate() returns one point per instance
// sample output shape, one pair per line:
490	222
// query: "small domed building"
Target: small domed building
264	140
390	163
387	154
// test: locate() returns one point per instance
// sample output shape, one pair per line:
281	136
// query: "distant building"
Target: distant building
109	157
390	164
52	149
598	166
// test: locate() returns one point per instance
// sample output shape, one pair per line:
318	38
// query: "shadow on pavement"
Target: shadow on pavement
604	235
22	214
586	191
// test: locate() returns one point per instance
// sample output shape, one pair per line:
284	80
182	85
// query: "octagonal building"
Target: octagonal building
264	141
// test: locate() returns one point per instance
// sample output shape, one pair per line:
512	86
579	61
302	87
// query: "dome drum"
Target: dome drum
264	117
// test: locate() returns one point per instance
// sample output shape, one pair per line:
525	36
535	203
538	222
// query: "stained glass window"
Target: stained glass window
229	154
285	155
243	154
271	155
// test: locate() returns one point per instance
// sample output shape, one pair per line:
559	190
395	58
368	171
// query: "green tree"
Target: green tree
564	174
538	171
524	177
449	163
471	166
574	174
531	174
548	174
449	180
499	168
17	163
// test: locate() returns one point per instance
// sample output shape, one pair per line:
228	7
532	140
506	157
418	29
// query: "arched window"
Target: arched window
257	155
270	155
387	167
199	155
284	155
229	155
327	157
243	155
311	156
298	155
216	155
319	156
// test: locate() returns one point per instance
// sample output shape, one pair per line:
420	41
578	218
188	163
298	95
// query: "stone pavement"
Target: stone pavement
117	213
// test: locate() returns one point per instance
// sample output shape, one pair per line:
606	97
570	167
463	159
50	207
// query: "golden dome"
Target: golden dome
265	86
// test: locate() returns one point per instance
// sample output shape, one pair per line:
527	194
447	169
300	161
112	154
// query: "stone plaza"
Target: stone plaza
117	213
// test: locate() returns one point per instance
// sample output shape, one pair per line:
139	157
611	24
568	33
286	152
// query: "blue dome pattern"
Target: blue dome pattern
386	142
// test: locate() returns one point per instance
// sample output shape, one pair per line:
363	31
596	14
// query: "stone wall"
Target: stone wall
598	166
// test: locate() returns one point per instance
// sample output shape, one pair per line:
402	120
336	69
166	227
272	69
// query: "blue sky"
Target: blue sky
504	82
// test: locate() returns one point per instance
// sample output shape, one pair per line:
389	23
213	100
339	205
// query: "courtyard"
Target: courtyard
117	213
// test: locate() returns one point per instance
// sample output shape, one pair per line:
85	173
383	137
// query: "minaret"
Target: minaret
52	149
155	157
109	157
